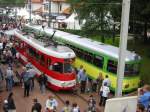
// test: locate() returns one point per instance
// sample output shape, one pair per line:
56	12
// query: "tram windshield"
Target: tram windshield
132	69
61	68
58	67
67	68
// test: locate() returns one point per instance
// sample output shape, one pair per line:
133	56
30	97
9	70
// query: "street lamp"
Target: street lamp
30	11
49	13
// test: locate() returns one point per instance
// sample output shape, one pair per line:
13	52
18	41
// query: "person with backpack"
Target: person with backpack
104	94
26	80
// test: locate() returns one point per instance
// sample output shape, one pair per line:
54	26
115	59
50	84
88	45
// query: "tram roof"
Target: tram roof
59	51
88	43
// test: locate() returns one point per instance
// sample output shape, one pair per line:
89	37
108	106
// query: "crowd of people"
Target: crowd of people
101	85
8	57
27	81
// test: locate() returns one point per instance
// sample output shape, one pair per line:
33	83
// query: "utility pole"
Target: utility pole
49	13
123	46
16	14
30	11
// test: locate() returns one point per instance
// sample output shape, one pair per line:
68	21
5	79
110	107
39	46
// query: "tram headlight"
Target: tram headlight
126	86
63	84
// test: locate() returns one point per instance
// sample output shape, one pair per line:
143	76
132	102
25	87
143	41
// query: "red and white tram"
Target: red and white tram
54	61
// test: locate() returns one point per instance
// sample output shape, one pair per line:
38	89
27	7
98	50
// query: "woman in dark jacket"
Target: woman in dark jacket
11	104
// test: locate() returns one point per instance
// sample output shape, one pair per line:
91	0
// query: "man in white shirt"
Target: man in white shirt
105	92
106	80
51	104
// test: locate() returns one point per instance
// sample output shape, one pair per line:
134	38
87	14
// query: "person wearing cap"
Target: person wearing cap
51	104
36	106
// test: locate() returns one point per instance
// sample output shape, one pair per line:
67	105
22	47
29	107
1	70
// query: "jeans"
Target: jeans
42	88
9	84
26	89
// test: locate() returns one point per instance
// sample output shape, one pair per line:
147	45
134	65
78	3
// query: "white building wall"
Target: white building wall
34	6
56	7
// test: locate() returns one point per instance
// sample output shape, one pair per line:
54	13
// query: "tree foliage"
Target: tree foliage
94	12
97	14
12	3
140	13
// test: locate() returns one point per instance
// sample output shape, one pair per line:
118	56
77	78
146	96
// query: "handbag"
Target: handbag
100	93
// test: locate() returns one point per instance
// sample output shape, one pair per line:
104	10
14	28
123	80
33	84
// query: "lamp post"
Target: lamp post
123	46
49	13
30	11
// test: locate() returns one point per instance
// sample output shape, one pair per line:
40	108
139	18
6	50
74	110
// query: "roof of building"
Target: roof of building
59	0
37	1
67	10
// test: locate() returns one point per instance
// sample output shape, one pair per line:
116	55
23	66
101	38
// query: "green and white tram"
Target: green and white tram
97	57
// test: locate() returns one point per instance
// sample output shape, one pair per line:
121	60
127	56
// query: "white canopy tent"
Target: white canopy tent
72	22
25	14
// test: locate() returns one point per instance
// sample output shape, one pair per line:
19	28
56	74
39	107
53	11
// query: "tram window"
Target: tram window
98	61
81	54
67	68
58	67
89	57
112	66
77	52
132	69
31	52
37	56
42	59
49	63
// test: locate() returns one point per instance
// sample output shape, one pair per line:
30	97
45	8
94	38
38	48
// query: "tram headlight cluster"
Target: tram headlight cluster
126	86
66	84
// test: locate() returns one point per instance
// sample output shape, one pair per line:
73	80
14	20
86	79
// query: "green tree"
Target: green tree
12	3
95	13
140	14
